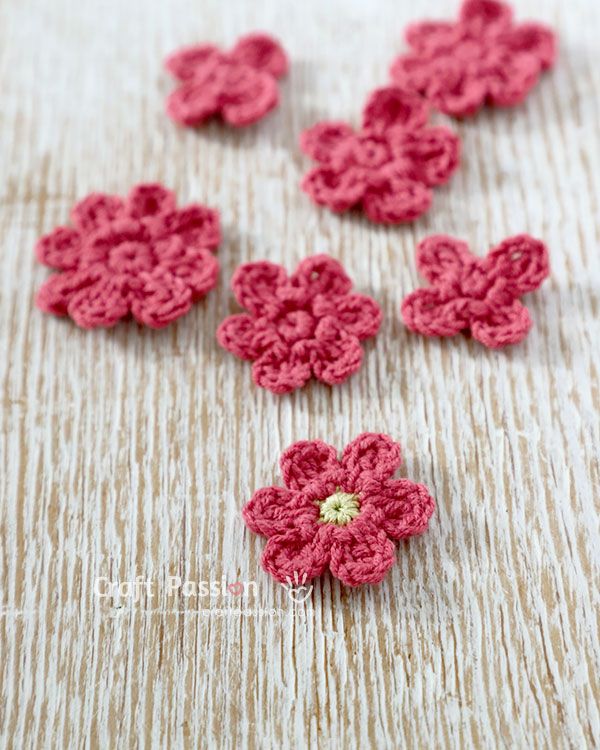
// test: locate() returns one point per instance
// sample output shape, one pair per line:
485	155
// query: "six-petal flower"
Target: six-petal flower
342	514
482	57
140	256
388	167
480	294
307	324
240	85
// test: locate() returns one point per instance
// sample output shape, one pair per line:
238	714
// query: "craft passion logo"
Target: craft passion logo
173	586
141	588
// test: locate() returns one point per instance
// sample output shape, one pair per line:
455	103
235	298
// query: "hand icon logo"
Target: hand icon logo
296	590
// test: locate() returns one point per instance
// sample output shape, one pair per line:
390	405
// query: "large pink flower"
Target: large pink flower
342	514
300	325
140	256
388	167
480	294
482	57
240	85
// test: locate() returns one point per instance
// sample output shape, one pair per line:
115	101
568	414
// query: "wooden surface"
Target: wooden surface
130	452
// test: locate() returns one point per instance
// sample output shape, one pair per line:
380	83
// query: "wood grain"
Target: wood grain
129	452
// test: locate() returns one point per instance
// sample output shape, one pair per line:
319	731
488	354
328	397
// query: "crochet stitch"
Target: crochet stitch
388	167
307	324
342	514
240	85
482	57
140	256
480	294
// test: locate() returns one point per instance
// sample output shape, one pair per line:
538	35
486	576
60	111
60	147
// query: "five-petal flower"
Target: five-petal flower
307	324
480	294
342	514
388	167
240	85
140	256
482	57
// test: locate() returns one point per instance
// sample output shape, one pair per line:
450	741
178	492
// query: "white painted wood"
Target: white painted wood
129	453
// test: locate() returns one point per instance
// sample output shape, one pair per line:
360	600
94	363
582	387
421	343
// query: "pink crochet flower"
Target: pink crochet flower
344	515
240	85
388	167
481	294
140	256
300	325
483	57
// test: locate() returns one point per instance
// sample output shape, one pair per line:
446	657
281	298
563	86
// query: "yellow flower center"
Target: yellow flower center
339	508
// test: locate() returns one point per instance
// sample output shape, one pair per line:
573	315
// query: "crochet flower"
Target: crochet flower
482	57
240	85
388	167
342	514
300	325
140	256
480	294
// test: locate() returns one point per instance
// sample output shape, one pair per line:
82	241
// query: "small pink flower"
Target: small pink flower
140	256
298	326
480	294
240	85
388	167
342	514
482	57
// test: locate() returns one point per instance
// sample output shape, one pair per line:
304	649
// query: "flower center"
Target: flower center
131	257
339	508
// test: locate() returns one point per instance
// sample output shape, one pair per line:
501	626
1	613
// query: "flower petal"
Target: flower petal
434	152
406	507
248	95
509	83
392	106
280	370
325	140
274	510
197	268
60	248
445	80
413	72
395	199
197	225
99	305
295	555
485	16
370	457
187	62
96	210
261	52
454	90
534	39
440	258
57	291
195	101
162	299
506	325
431	36
521	261
361	554
149	199
358	314
321	274
306	461
339	354
337	189
255	285
245	336
433	313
